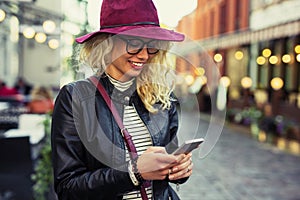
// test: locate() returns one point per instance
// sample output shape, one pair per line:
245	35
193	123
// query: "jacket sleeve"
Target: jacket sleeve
77	174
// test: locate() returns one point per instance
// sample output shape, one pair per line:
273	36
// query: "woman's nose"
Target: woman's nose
143	54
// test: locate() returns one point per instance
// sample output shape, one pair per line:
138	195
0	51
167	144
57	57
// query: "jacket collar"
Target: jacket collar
124	97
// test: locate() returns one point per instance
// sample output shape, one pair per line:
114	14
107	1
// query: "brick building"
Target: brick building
237	34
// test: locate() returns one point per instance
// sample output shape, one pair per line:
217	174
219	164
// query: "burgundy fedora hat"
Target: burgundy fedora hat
131	17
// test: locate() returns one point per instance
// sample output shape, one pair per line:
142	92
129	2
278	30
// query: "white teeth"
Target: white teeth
137	64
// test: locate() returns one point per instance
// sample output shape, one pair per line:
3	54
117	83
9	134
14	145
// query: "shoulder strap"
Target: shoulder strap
127	137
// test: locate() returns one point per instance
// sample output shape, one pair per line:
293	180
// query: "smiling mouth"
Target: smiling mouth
137	65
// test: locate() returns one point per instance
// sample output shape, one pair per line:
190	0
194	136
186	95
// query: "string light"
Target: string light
246	82
199	71
218	57
273	60
40	37
189	79
266	53
276	83
53	43
261	60
2	15
286	58
29	32
297	48
239	55
225	81
298	57
49	26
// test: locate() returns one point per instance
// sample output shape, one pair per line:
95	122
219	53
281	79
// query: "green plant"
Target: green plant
251	115
43	174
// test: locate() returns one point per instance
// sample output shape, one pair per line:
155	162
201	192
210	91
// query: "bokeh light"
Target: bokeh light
225	81
40	37
266	53
261	60
276	83
246	82
49	26
218	57
286	58
53	43
297	48
273	60
2	15
29	32
239	55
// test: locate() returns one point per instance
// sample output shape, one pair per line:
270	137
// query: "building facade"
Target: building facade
255	44
37	39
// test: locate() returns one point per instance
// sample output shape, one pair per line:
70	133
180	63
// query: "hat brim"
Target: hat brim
153	32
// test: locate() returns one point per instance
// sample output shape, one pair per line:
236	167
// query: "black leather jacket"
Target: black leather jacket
87	147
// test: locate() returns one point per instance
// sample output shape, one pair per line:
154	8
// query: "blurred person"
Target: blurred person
267	123
5	90
89	154
41	101
22	87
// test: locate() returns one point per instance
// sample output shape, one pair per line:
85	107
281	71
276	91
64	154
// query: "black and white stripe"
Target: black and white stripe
142	140
138	131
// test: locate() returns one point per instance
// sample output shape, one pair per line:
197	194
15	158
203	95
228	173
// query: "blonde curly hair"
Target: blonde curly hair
154	84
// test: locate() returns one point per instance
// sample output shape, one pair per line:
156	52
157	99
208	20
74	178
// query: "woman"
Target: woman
90	157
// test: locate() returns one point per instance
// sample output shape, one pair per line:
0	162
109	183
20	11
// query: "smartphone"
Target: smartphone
188	146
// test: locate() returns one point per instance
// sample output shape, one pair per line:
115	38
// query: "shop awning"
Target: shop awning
251	36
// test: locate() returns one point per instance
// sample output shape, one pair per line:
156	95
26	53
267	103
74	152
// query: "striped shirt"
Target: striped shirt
138	131
141	139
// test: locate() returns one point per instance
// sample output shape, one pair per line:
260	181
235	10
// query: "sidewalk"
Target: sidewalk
241	168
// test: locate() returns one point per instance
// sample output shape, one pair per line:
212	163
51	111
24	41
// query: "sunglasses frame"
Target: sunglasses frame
127	40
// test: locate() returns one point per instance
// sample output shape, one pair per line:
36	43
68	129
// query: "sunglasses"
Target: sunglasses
135	46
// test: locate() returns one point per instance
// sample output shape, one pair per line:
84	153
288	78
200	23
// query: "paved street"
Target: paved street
240	168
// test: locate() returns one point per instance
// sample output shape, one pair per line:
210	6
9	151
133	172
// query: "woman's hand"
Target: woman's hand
155	162
183	169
